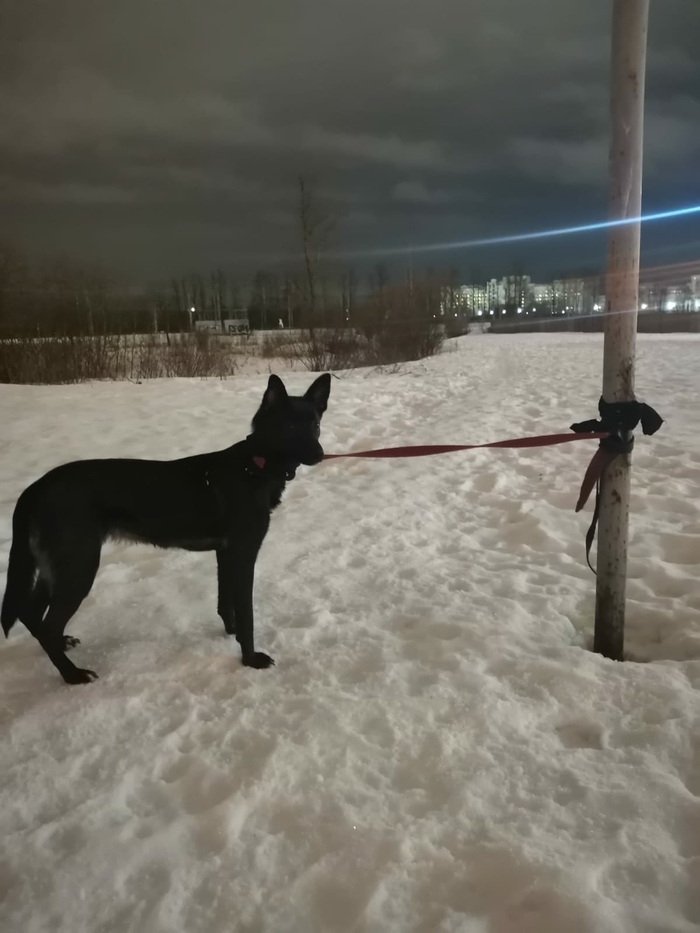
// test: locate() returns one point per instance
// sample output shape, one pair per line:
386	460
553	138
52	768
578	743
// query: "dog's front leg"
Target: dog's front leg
240	571
224	573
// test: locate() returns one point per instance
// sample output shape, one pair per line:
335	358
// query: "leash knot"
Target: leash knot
617	420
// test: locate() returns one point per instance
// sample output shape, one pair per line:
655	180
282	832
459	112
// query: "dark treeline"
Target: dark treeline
65	297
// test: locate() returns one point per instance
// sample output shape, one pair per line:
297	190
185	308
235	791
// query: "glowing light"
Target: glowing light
644	307
192	310
583	317
521	237
597	307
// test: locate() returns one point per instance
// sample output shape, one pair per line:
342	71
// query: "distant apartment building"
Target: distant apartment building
473	298
660	296
678	299
542	297
695	292
495	294
573	295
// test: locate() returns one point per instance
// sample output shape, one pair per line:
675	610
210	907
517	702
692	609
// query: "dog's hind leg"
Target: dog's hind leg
36	605
74	575
33	614
50	637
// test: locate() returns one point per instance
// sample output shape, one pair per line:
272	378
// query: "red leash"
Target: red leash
543	440
595	470
620	417
601	459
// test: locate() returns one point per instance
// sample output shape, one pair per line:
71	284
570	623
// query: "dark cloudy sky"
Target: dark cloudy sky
165	136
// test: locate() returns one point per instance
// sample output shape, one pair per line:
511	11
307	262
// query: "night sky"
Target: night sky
159	137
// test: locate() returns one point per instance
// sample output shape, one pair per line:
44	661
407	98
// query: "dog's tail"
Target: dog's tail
20	577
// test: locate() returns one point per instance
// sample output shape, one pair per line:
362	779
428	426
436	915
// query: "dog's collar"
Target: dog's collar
258	465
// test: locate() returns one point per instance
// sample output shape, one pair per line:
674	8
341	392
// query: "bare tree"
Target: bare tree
184	295
13	285
218	295
289	291
515	292
266	301
156	300
201	296
316	227
379	280
348	294
373	312
72	299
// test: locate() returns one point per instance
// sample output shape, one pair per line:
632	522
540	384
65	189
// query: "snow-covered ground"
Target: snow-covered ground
436	749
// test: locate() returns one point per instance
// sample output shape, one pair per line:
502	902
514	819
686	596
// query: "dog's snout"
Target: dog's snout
315	455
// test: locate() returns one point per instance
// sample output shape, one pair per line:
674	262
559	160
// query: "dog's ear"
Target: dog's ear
274	393
318	392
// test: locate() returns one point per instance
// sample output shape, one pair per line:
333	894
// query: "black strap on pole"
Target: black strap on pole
618	420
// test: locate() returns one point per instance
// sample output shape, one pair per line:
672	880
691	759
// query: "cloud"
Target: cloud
416	192
561	162
671	134
68	193
389	150
429	119
83	109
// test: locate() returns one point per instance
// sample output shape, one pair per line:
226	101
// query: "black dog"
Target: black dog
218	501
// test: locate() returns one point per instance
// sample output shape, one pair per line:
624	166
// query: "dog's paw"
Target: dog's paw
258	660
70	642
80	676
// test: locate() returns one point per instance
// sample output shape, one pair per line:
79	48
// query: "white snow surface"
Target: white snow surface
437	748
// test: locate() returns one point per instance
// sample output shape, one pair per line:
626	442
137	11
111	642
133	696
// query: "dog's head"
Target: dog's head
287	427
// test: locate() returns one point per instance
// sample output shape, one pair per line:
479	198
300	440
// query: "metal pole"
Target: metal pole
628	63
